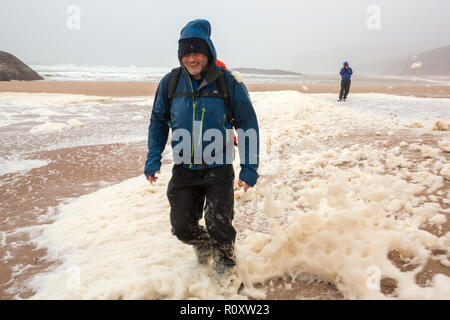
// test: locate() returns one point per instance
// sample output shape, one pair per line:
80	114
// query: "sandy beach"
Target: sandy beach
124	89
30	199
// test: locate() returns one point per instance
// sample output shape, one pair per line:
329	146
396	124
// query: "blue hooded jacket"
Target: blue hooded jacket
346	74
198	114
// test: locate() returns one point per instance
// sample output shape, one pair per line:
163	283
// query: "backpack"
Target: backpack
221	85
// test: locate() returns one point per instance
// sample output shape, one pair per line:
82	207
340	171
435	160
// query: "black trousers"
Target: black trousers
345	88
192	191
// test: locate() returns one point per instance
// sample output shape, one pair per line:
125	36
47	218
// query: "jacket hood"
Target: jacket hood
200	28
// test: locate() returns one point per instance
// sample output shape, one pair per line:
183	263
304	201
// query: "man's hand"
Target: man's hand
246	187
152	178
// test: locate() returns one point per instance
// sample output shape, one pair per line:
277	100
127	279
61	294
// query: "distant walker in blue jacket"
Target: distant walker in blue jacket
203	180
346	74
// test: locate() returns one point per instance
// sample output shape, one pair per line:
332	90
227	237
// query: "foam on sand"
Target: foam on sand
321	207
24	99
445	144
50	126
144	260
11	166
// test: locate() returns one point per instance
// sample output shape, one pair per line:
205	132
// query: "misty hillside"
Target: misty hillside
434	62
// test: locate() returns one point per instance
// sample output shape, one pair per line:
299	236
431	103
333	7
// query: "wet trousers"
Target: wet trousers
211	189
345	88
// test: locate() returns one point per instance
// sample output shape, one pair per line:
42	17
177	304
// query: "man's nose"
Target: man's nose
191	57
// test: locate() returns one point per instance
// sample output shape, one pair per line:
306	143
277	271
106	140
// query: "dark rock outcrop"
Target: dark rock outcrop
11	68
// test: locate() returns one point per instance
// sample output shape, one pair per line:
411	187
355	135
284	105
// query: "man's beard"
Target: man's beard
196	70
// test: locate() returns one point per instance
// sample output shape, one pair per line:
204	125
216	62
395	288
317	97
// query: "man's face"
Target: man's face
195	63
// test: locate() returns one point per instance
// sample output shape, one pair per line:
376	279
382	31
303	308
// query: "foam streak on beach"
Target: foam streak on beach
353	201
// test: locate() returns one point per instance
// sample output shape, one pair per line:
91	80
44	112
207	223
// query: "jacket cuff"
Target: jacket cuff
249	176
151	168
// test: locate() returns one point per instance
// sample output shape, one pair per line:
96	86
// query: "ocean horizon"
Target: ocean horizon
74	72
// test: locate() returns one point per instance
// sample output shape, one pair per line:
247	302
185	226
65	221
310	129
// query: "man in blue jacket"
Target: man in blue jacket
203	179
346	74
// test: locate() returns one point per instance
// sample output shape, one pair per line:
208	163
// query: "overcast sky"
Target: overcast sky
310	36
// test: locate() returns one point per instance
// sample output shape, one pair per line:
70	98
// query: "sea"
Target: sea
71	72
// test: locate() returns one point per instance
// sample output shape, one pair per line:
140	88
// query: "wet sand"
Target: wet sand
24	199
112	89
123	89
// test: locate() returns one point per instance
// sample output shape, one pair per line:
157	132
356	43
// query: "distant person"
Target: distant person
346	74
196	97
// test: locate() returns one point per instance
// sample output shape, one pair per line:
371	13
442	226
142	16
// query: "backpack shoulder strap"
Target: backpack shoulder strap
221	85
223	92
172	86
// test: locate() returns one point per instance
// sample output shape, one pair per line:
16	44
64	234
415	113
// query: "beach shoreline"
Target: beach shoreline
128	89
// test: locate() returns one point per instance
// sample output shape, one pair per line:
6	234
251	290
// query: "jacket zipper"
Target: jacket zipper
201	126
223	125
193	117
